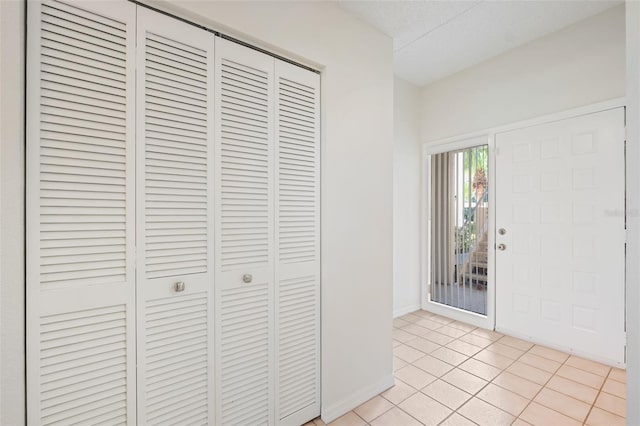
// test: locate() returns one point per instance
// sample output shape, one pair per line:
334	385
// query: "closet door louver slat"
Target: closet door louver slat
297	270
80	206
175	213
244	240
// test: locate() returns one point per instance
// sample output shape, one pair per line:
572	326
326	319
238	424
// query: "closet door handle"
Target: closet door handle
247	278
179	286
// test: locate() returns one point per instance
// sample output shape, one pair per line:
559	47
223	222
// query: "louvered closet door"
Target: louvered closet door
297	244
244	238
174	221
80	227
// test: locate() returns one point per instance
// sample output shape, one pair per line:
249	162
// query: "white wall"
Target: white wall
579	65
12	387
633	213
406	198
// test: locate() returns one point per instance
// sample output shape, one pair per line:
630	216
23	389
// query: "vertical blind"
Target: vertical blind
459	226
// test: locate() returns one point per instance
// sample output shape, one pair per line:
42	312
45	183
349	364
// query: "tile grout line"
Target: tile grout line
453	411
544	386
597	396
541	388
474	395
502	371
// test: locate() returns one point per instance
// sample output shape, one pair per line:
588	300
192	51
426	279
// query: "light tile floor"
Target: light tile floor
450	373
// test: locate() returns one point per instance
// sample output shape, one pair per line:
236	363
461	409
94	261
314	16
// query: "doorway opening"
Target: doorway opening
460	229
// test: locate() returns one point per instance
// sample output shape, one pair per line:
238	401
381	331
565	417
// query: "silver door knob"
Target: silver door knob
247	278
502	247
179	286
502	231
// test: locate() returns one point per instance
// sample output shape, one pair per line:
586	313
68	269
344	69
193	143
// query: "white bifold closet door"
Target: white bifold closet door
244	235
267	239
174	221
297	265
173	224
80	213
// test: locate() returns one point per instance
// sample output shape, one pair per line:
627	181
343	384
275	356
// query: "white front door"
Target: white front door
560	234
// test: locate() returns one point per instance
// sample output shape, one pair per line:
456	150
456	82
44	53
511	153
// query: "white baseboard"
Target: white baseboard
336	410
406	310
559	347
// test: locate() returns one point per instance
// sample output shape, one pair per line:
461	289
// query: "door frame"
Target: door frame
478	320
482	137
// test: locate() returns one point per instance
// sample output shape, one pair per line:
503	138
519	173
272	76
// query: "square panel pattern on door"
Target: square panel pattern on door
560	196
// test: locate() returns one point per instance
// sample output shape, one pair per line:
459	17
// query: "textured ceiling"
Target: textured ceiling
433	39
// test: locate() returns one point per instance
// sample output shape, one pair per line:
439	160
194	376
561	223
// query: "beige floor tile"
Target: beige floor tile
457	420
487	334
529	372
611	403
453	374
465	381
422	313
563	404
310	423
349	419
451	331
407	353
503	399
433	365
480	369
537	361
399	323
442	320
576	390
618	375
484	413
427	323
539	415
399	392
599	417
414	377
449	356
517	385
552	354
395	417
423	345
373	408
580	376
516	343
446	394
495	359
398	363
416	330
462	326
439	338
426	410
476	340
464	347
402	336
318	422
615	388
411	318
588	365
505	350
